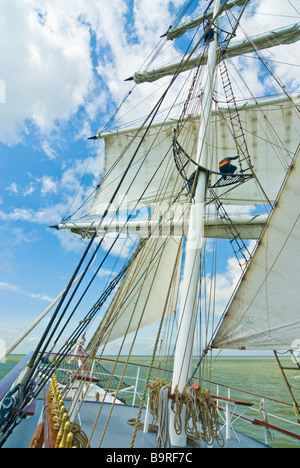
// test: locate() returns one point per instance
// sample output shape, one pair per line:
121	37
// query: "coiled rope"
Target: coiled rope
195	411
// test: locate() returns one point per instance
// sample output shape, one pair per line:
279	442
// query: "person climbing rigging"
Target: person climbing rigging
226	168
209	36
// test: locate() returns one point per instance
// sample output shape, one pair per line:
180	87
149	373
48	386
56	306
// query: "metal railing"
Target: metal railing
239	410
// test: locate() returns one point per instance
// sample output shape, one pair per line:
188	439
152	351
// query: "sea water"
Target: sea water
257	376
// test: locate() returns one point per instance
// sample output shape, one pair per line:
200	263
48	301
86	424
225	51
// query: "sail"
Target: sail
286	35
264	313
152	178
149	290
272	132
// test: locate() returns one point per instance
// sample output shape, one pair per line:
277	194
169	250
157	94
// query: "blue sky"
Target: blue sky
62	71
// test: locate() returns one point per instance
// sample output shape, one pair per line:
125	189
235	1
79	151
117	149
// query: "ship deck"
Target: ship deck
118	433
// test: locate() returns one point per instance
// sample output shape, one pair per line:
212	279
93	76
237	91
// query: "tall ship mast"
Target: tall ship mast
204	168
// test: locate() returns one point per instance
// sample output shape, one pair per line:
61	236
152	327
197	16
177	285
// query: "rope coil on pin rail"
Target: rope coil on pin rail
200	420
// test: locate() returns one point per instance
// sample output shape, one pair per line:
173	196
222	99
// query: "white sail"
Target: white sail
286	35
149	289
264	313
272	131
152	178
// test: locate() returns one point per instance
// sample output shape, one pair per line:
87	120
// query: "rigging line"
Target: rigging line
82	326
176	74
161	128
251	166
182	12
253	253
148	62
289	1
131	348
249	12
273	61
129	354
65	218
95	309
112	118
161	246
88	247
131	123
237	22
173	79
123	271
176	266
175	22
76	332
278	143
270	70
262	284
33	364
132	287
112	246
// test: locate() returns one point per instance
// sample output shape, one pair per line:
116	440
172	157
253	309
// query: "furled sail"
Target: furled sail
249	227
178	32
272	132
264	313
286	35
149	290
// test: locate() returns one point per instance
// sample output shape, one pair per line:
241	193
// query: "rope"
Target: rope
195	411
154	350
163	436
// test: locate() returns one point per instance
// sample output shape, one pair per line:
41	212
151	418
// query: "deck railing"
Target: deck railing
236	407
239	407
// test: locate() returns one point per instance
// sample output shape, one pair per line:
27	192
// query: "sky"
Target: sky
62	69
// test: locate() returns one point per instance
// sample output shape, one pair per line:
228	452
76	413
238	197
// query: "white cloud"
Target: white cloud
9	287
29	190
104	272
48	185
48	70
13	188
42	216
16	289
48	150
18	237
69	242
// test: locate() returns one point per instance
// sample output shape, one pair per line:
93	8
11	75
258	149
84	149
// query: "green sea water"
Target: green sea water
255	375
